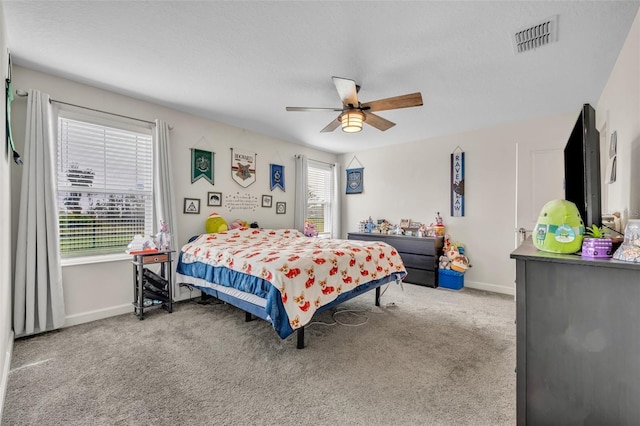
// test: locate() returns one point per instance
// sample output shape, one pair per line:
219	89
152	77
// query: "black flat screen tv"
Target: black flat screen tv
582	167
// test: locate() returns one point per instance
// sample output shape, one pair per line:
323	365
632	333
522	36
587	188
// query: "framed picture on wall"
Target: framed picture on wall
281	207
214	199
266	201
192	205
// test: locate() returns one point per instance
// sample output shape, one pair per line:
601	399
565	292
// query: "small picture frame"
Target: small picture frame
192	205
266	201
404	223
214	199
281	207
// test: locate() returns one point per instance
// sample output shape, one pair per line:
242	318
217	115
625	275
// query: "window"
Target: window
320	196
105	184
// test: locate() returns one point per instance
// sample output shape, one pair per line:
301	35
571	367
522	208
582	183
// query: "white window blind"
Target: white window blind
105	186
319	196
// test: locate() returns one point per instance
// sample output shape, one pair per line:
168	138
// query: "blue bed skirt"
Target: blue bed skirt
274	310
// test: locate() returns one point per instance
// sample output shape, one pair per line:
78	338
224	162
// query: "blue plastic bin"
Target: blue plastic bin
453	280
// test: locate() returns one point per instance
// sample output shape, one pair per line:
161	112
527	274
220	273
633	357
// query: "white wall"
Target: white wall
413	180
103	289
618	110
6	333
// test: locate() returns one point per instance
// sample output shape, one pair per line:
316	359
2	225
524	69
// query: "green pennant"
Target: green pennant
201	165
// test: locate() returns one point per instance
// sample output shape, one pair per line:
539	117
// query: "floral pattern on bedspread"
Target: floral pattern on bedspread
308	272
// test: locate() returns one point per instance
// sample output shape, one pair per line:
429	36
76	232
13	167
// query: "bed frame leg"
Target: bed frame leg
248	317
377	296
204	299
300	342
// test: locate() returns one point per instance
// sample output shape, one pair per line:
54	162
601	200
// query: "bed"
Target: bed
284	277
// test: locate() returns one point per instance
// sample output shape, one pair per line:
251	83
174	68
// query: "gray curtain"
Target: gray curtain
163	193
300	205
38	299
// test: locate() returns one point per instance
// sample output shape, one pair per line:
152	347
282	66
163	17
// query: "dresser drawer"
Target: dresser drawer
421	277
367	237
414	245
155	258
418	261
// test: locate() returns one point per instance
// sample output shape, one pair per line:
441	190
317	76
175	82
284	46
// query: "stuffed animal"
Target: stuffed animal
310	229
444	262
236	224
456	261
216	223
560	228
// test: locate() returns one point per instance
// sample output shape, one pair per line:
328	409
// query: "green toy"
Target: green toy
560	228
215	223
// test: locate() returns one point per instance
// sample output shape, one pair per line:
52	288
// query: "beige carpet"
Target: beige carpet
425	357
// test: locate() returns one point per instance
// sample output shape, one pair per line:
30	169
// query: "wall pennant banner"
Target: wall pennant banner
201	165
457	183
355	180
243	167
277	177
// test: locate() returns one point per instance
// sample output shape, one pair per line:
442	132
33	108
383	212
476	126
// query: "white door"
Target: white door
539	179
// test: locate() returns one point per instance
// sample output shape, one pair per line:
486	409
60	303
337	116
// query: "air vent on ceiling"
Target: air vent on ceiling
536	36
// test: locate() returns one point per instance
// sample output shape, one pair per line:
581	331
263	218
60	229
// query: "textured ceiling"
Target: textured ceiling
243	62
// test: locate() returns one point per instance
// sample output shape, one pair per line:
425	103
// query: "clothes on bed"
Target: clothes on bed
307	272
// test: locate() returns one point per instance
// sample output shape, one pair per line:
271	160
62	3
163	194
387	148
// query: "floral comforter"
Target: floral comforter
308	272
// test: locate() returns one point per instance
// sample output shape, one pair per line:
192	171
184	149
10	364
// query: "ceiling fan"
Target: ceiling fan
353	113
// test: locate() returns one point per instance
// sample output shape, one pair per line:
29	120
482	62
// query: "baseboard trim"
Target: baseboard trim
4	380
490	287
97	314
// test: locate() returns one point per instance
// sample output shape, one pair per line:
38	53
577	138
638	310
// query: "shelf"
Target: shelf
151	289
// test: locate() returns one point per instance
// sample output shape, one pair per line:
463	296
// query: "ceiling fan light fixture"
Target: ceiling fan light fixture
352	121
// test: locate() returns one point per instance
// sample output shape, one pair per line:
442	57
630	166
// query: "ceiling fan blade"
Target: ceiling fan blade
377	121
347	90
331	126
403	101
312	109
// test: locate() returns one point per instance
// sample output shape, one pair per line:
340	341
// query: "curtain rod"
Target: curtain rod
317	161
23	94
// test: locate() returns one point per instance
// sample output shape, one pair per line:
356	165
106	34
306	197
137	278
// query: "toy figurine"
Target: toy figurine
163	237
369	225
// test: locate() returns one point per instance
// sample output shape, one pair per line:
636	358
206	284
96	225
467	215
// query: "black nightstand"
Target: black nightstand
151	289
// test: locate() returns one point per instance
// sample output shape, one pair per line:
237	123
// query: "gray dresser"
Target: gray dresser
578	339
419	255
